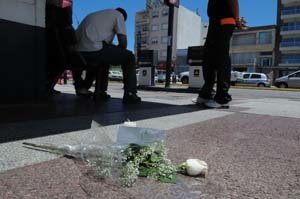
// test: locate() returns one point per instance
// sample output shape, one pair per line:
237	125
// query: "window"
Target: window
244	39
144	40
295	75
290	26
246	76
164	40
265	61
265	37
164	26
154	4
154	40
165	12
290	10
255	76
291	59
142	28
155	15
290	42
243	58
154	27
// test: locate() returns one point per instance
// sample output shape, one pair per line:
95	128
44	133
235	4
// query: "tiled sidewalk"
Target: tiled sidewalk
249	156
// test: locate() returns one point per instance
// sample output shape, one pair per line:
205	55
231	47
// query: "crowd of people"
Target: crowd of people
90	49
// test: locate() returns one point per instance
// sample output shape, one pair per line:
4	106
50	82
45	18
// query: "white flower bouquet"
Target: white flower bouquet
138	152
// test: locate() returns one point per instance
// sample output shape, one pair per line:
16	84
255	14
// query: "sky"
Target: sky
255	12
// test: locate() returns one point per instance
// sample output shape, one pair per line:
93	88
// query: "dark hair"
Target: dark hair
123	12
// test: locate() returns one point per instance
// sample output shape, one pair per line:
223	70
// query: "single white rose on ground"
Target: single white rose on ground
194	167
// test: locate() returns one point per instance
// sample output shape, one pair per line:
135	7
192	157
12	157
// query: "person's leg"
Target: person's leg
98	71
223	65
113	55
104	79
78	81
208	66
101	84
54	73
78	64
90	77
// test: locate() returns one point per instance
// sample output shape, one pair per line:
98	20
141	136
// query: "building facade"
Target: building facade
288	36
253	50
151	30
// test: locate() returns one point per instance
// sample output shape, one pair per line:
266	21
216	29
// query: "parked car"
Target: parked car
235	75
115	75
185	76
161	76
289	81
254	79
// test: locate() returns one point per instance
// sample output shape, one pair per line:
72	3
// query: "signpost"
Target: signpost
172	3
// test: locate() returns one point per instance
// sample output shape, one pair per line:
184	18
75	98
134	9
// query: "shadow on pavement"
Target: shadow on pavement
66	113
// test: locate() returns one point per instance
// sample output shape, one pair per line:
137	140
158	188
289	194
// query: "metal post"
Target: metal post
138	49
170	46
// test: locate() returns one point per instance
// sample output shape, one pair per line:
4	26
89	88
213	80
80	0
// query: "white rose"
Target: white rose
195	167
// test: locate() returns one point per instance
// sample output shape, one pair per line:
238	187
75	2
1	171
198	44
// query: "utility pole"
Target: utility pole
171	4
139	46
170	45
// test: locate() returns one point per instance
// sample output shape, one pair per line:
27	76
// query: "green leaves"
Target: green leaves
150	162
155	157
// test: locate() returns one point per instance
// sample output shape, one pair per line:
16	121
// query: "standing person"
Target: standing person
61	41
223	18
95	35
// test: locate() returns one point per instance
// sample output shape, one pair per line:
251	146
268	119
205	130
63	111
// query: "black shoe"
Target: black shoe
83	92
54	92
101	96
131	98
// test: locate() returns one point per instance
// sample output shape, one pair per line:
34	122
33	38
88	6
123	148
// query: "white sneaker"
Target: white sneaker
200	100
214	104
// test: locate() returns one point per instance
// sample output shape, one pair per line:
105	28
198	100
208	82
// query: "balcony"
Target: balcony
290	48
290	2
141	21
290	28
290	16
290	12
290	60
290	44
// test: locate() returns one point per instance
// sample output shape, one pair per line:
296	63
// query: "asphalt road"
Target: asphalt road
252	93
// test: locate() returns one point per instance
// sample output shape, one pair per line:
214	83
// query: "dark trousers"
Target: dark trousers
217	62
112	55
91	76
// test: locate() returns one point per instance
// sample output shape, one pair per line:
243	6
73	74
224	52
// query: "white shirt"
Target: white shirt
97	27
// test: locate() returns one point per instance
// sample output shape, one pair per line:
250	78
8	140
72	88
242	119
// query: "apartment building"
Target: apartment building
253	50
151	30
288	36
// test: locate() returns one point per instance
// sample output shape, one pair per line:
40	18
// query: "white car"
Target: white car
115	75
184	77
254	79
